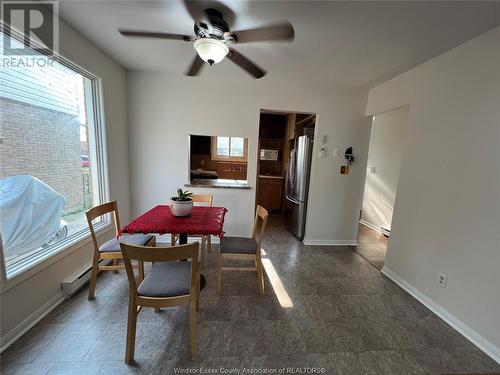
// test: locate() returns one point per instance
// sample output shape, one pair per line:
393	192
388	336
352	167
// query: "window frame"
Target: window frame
99	171
215	156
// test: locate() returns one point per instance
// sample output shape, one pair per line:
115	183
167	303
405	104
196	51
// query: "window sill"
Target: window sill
39	266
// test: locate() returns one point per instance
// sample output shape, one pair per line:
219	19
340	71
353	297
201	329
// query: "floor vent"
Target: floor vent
73	283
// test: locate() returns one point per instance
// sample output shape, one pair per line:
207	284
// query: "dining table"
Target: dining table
203	220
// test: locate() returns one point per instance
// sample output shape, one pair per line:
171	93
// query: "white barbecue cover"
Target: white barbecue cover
30	213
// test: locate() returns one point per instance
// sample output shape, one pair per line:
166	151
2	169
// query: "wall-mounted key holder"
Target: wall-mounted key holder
349	155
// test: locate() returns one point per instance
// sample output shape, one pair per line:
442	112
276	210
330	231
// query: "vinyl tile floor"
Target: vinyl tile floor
326	309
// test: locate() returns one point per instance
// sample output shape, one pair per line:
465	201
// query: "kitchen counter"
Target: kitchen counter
219	183
266	176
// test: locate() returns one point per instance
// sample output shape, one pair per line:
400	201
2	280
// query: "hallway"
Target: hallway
372	246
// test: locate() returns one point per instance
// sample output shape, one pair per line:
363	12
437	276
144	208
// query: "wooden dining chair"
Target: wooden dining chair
170	282
111	249
243	248
206	240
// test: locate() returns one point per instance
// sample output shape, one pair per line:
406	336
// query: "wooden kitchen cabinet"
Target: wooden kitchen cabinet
270	193
262	192
232	170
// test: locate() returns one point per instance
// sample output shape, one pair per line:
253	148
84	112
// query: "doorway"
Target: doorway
283	166
384	161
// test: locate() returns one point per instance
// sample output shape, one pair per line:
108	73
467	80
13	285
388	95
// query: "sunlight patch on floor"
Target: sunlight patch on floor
278	287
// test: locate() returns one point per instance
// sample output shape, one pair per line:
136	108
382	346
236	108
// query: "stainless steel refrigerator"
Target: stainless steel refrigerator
297	185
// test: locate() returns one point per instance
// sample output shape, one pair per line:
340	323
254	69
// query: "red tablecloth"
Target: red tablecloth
203	220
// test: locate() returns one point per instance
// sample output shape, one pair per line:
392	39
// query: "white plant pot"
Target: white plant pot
181	208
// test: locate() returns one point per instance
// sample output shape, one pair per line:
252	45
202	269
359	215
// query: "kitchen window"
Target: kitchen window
229	148
52	164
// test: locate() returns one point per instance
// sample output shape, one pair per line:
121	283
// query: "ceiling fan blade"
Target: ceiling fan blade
196	10
195	67
277	31
245	64
152	34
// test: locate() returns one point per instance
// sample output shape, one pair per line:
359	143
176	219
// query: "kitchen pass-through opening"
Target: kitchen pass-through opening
284	165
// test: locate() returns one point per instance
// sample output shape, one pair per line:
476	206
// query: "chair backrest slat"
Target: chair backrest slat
160	254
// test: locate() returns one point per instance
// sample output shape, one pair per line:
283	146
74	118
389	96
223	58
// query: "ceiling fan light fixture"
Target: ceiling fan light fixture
211	50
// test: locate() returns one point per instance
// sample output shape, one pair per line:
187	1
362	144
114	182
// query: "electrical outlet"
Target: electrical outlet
442	280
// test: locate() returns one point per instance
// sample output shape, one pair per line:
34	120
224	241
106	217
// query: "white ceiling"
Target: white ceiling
350	43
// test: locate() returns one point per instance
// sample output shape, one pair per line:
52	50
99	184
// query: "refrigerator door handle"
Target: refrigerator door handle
290	174
290	199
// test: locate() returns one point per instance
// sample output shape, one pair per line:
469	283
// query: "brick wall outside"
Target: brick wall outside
45	144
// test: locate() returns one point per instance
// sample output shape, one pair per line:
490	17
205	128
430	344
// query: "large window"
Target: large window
50	161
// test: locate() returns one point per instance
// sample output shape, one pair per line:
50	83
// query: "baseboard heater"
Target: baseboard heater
77	280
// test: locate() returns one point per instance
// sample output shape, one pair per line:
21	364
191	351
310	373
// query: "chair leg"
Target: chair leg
198	291
193	329
157	309
173	239
93	276
219	274
203	249
115	263
141	270
260	277
131	329
209	243
198	298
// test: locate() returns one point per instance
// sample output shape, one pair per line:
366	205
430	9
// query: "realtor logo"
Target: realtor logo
33	25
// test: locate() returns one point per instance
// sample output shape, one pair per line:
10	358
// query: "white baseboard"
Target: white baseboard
313	242
482	343
369	225
23	327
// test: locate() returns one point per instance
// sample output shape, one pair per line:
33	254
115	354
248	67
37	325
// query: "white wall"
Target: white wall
23	297
447	210
387	143
164	109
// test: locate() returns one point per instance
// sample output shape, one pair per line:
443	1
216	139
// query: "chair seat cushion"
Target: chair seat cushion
166	279
133	239
238	245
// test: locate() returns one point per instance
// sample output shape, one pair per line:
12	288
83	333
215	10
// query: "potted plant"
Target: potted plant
182	204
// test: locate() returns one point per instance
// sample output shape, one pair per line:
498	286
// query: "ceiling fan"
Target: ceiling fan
213	38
